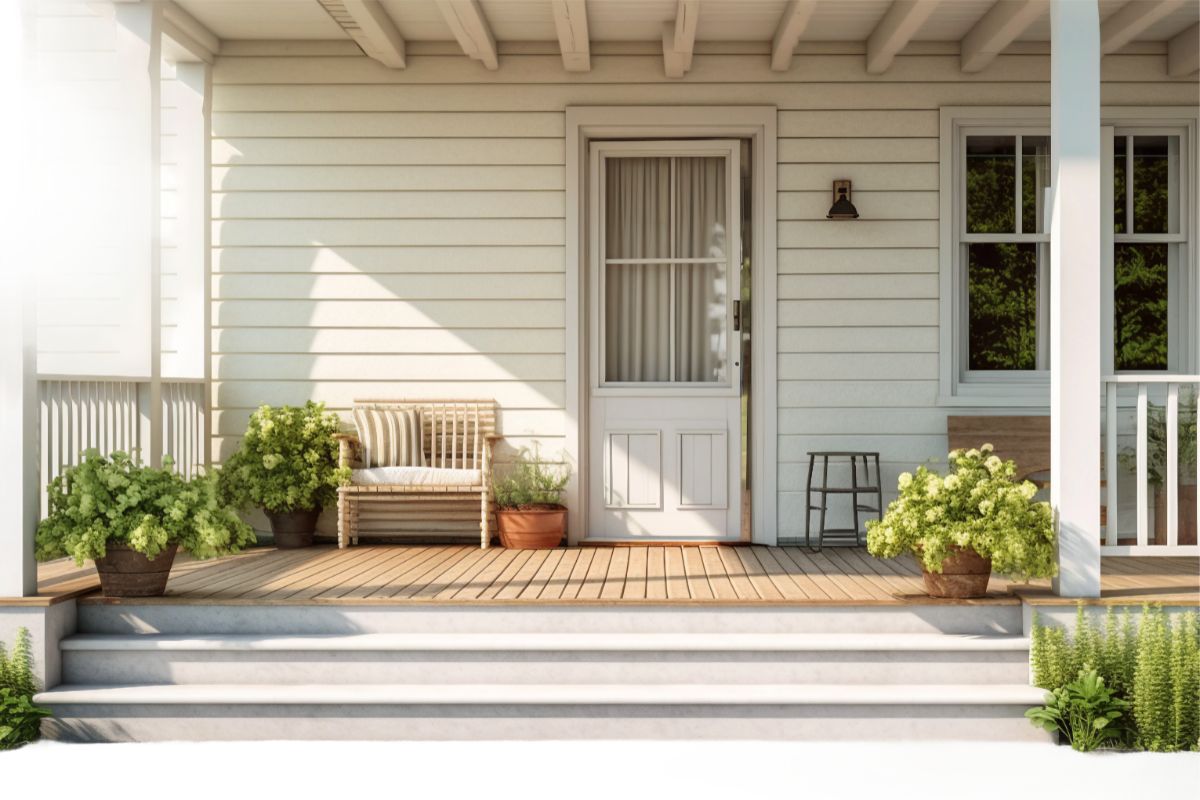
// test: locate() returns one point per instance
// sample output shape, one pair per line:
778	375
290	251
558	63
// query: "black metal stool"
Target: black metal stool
855	489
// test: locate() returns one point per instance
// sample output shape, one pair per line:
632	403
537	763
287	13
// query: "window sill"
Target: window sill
997	395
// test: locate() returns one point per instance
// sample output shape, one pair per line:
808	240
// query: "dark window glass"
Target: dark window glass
1002	306
1140	306
1119	184
1151	163
991	184
1035	179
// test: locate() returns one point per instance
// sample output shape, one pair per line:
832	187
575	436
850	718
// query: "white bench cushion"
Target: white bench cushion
416	476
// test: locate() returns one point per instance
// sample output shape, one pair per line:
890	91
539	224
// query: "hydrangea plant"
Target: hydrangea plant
288	460
979	505
115	499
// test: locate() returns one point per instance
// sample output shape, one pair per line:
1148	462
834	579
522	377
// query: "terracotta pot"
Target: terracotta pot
964	574
125	572
532	529
293	528
1187	515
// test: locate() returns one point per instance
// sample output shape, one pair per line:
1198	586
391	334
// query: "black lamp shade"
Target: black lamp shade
842	208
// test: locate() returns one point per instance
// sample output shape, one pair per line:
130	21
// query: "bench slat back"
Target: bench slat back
453	432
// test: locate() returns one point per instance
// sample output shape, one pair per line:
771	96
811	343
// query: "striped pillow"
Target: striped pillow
391	437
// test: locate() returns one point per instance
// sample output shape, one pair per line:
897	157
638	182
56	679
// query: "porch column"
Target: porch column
1075	293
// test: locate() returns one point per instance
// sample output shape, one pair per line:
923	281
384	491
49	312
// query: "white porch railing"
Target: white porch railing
1145	425
77	413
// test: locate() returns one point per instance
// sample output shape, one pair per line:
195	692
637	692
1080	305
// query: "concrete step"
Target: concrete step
527	711
183	619
546	658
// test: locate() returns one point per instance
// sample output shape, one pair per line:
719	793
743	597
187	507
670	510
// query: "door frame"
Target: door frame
757	123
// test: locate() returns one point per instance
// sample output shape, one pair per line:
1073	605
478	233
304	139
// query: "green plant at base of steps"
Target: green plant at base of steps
20	718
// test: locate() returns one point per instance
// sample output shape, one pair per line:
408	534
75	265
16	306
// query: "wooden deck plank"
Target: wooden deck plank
384	562
447	579
281	567
562	573
544	572
792	586
579	573
593	582
614	579
884	577
823	573
849	579
422	575
736	570
507	575
656	573
635	578
762	583
718	577
322	578
395	567
216	576
481	580
697	578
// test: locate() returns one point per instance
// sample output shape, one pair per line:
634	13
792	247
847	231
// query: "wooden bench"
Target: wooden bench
457	438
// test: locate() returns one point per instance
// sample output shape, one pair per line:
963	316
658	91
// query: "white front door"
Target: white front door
664	273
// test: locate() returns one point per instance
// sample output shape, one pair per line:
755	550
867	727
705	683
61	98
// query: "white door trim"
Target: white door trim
758	123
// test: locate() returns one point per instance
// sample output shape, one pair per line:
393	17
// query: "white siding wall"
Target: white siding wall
342	187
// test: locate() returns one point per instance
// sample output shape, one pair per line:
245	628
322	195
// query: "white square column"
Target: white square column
1075	302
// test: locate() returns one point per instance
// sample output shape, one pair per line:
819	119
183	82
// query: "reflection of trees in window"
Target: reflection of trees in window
991	183
1140	306
1002	306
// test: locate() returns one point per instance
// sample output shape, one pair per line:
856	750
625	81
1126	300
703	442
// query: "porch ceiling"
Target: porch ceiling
878	25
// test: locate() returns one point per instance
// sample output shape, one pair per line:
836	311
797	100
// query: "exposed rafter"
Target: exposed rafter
1131	19
189	33
679	38
791	27
570	20
1183	52
379	37
998	28
898	26
470	28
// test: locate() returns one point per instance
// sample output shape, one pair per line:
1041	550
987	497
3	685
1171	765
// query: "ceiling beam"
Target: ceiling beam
470	28
189	33
1130	20
998	28
679	38
898	26
787	34
1183	53
377	34
570	20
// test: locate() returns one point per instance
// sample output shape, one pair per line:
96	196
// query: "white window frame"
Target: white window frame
957	386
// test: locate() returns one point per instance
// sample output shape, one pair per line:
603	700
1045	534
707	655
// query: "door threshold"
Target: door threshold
662	542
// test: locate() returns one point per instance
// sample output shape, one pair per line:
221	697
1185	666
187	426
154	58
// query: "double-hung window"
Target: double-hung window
995	315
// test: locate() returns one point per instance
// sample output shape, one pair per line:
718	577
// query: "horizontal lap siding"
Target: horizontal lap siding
341	187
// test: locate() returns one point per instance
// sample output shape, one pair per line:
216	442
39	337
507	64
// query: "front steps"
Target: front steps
159	671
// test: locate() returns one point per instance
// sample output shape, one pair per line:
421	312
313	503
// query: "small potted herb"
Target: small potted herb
287	465
963	525
529	509
131	519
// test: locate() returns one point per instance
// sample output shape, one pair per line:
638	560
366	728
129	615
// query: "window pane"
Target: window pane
1140	306
1119	185
1035	179
991	184
700	214
637	207
701	306
637	302
1002	306
1152	161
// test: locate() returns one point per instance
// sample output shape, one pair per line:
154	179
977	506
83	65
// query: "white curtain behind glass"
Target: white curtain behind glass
638	296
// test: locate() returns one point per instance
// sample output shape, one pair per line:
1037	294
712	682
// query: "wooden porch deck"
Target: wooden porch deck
452	574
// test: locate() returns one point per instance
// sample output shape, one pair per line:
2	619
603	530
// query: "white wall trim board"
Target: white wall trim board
584	123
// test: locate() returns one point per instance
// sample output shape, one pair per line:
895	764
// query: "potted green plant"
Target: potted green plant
131	519
963	525
1156	468
287	465
529	510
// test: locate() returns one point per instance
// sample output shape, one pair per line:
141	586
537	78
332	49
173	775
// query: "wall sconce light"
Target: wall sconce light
842	208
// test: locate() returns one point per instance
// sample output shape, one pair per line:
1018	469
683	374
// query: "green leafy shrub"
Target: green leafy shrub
288	461
1154	666
1085	711
978	506
20	718
114	499
531	483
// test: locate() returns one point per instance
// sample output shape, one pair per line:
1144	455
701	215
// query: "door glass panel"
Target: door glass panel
1002	306
637	208
637	337
1140	306
1035	180
1152	200
991	184
701	320
700	215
